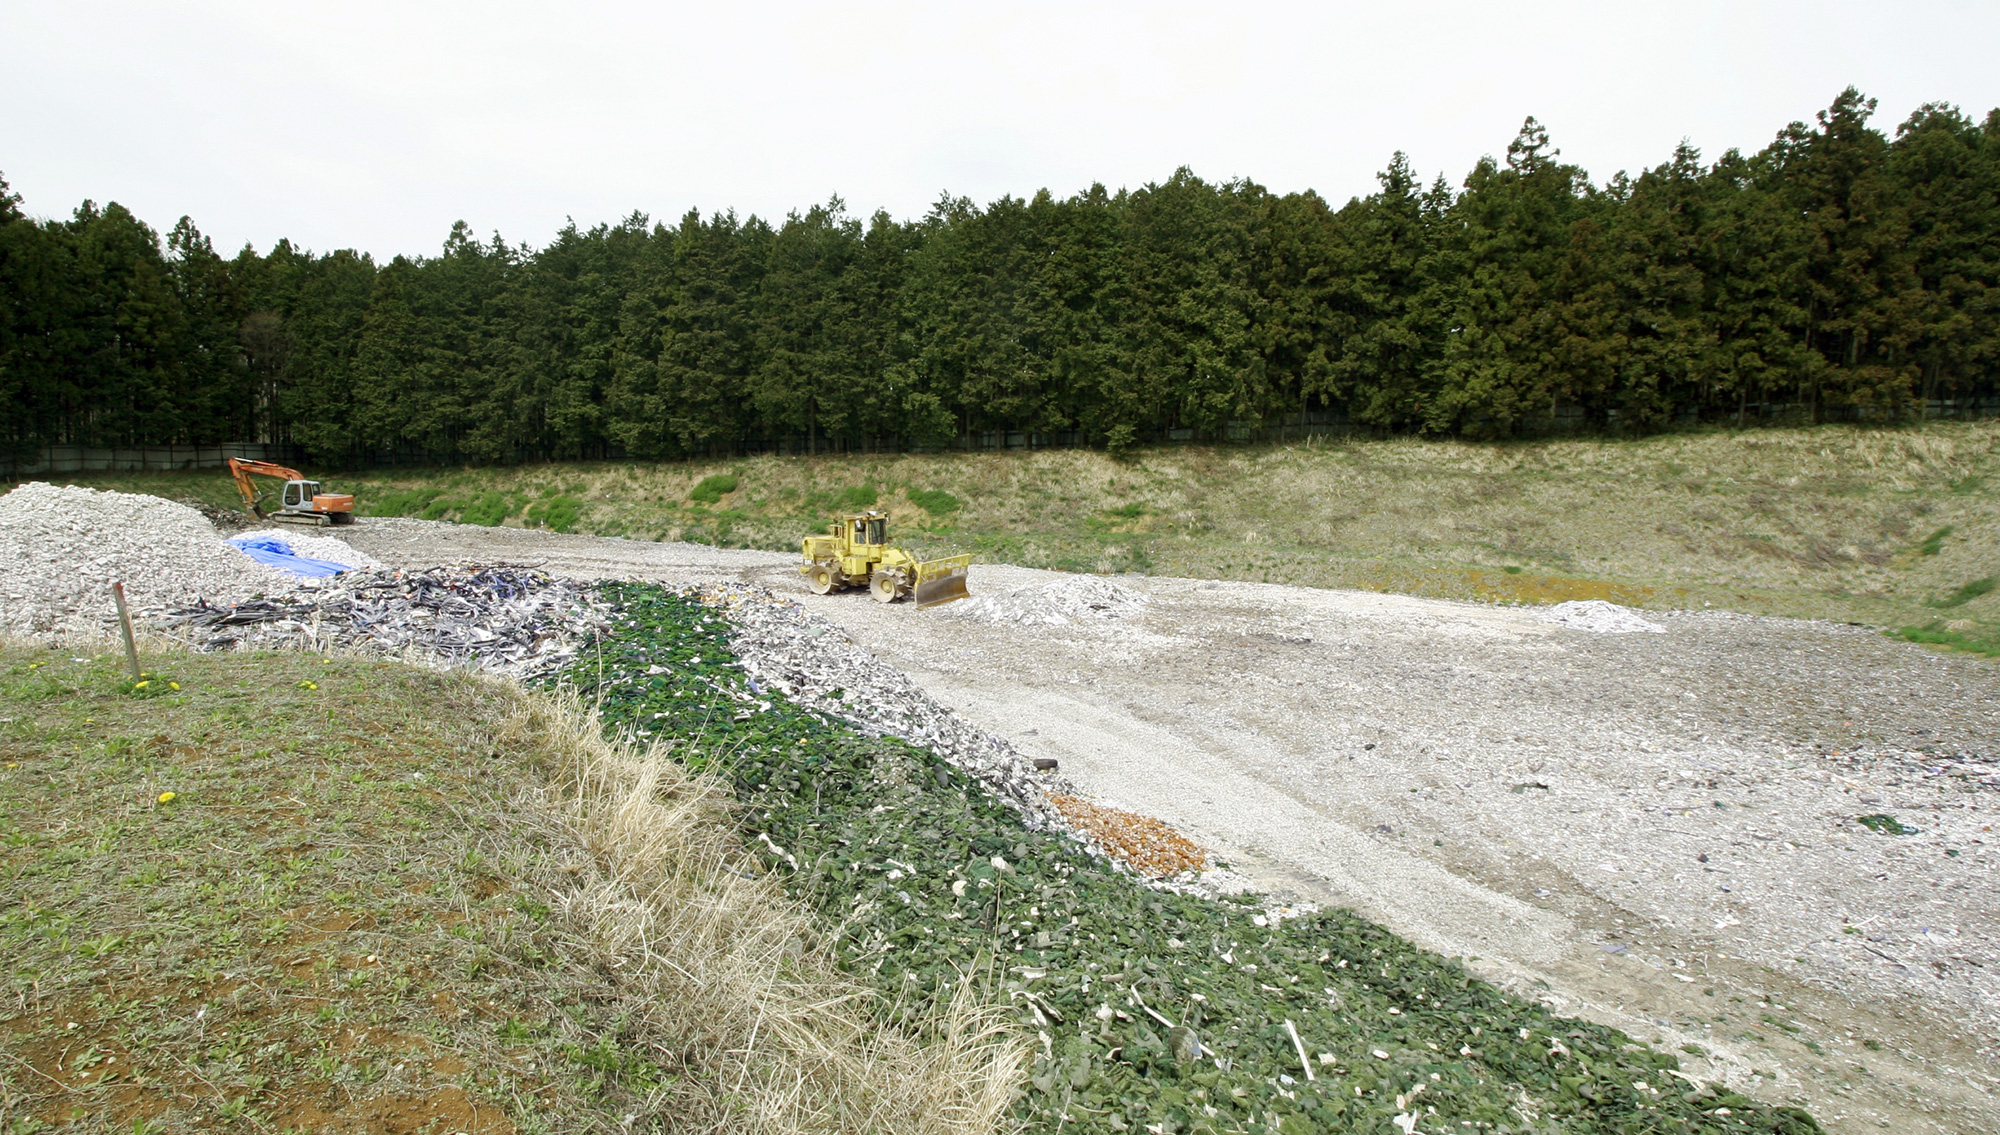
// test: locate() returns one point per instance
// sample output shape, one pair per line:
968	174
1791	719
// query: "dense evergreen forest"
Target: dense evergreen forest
1839	270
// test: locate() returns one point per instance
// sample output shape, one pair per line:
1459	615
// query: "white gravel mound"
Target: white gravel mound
1599	617
332	549
61	547
1060	601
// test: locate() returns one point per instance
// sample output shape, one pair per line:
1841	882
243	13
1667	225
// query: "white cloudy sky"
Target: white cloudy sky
375	125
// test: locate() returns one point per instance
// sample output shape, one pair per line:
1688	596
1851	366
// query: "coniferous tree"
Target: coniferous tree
1837	269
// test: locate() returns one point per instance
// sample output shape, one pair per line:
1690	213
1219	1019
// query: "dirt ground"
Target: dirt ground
1656	831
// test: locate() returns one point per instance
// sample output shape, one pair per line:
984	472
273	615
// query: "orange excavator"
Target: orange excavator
301	503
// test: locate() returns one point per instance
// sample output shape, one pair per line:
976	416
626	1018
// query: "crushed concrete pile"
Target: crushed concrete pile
329	548
61	547
812	662
1058	602
506	620
1599	617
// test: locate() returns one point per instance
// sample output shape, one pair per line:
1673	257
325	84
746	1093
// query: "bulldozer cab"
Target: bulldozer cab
863	536
867	528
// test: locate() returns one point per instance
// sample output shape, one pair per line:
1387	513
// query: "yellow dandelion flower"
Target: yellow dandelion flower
166	797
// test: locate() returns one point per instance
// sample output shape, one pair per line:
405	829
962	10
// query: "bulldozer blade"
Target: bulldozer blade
943	589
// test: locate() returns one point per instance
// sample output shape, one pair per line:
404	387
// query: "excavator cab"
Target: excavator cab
299	494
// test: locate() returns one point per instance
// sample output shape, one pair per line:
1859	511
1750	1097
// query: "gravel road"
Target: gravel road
1658	831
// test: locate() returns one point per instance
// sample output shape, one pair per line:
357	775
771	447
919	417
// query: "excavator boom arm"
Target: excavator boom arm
243	470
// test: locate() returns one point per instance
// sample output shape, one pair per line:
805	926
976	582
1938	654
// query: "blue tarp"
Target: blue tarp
276	553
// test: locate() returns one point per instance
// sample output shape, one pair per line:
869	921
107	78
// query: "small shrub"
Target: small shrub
713	488
489	510
1118	441
439	509
1967	593
558	514
1131	511
1934	542
396	502
937	502
1937	634
860	496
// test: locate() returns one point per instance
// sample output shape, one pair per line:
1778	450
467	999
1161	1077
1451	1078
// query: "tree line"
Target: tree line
1839	269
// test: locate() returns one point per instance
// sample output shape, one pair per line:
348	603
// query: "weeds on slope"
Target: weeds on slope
306	893
1146	1009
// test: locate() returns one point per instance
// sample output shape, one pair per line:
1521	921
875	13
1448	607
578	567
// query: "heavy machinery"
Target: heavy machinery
301	501
855	552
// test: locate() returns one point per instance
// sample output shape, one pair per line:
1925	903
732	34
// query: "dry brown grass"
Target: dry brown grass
713	962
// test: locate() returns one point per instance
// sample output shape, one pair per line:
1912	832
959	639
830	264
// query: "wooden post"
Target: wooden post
125	624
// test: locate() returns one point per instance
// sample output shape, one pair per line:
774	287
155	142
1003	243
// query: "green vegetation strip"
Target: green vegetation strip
1938	634
931	881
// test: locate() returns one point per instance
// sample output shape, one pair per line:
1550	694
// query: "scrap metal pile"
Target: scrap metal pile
507	620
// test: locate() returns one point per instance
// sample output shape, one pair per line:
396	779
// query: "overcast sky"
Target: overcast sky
376	125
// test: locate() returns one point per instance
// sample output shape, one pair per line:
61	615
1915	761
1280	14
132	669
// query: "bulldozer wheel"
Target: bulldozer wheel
821	579
885	586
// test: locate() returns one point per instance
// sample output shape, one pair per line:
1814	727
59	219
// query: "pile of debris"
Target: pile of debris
1142	843
1056	603
1599	617
224	519
61	547
507	620
812	662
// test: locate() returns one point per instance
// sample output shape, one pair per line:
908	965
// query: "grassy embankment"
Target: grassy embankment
288	893
1898	528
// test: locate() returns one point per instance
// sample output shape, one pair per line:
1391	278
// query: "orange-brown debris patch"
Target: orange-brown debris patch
1141	842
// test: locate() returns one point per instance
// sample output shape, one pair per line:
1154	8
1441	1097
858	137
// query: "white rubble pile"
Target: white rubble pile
329	548
506	620
812	662
61	547
1054	603
1599	617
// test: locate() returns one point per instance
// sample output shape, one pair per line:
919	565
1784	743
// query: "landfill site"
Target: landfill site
1632	817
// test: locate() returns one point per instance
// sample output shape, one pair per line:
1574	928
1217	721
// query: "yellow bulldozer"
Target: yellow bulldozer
855	552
